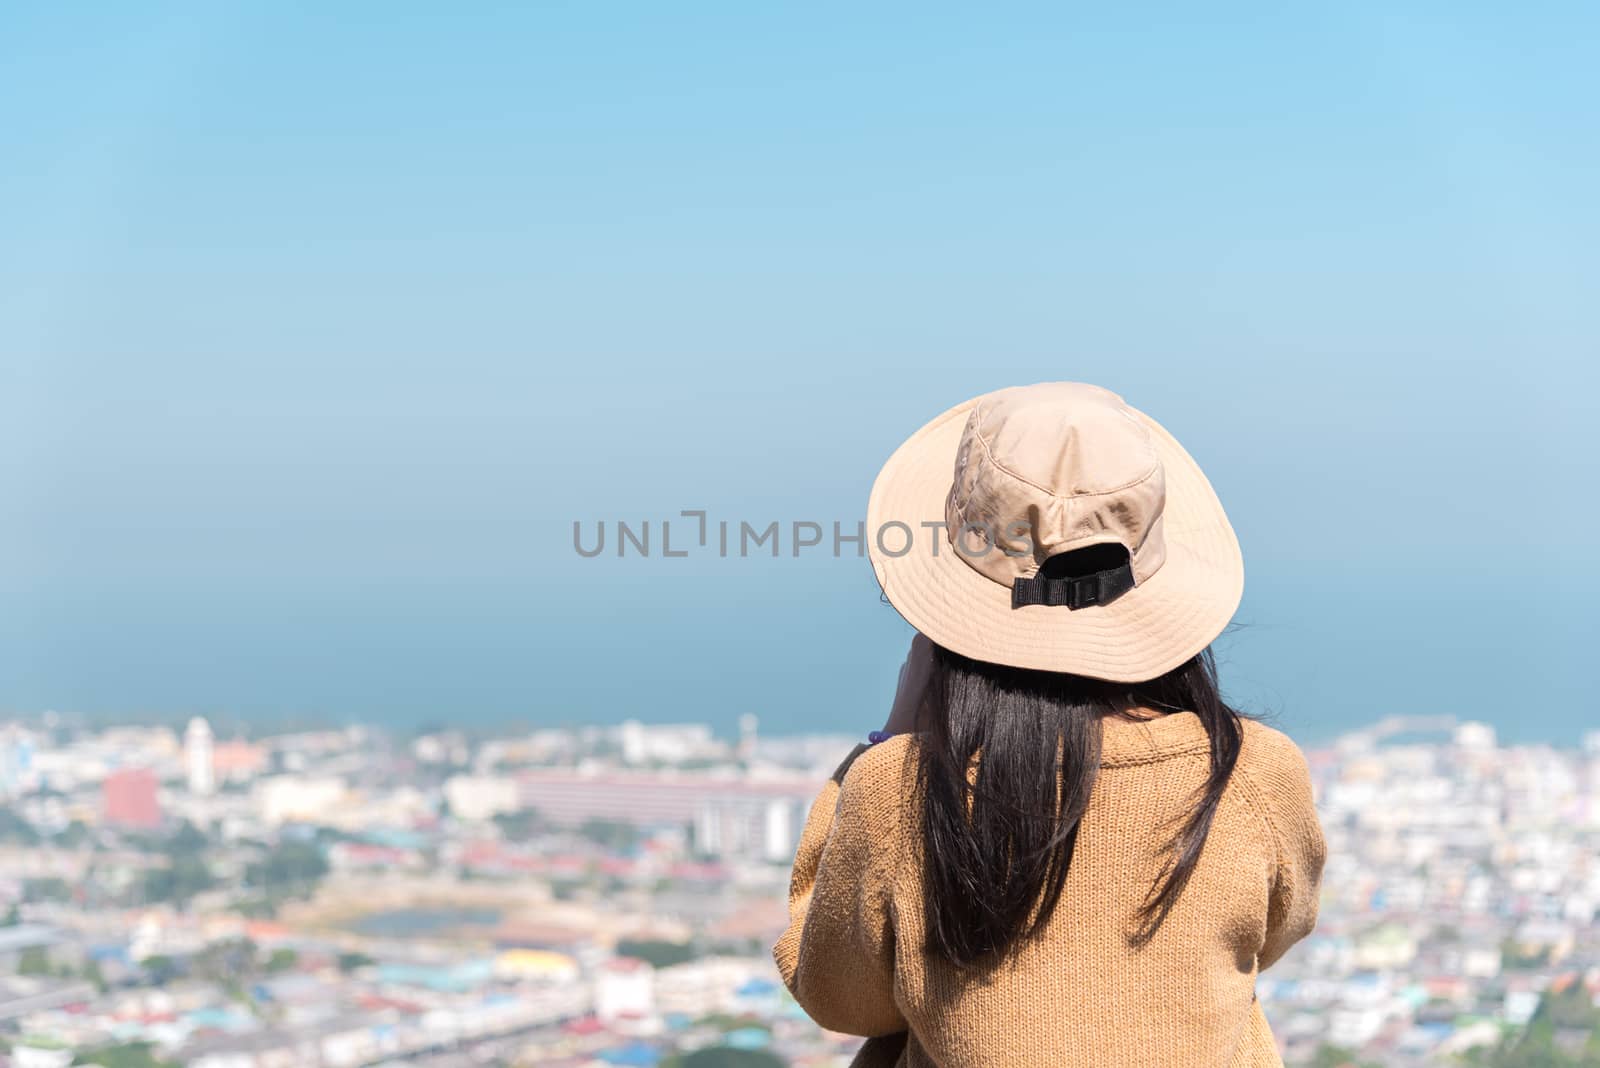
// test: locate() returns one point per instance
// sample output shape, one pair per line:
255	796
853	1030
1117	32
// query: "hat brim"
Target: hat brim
1154	627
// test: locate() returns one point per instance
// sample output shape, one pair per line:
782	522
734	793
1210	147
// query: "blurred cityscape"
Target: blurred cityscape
608	896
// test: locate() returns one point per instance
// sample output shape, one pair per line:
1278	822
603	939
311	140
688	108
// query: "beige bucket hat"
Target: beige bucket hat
968	520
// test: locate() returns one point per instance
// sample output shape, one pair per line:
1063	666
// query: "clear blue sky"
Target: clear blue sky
319	324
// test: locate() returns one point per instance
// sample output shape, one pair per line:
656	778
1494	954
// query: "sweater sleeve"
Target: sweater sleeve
1297	883
837	955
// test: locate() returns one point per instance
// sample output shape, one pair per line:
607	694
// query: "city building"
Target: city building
481	797
199	771
1460	896
749	726
758	818
669	743
238	761
130	797
37	947
298	798
624	989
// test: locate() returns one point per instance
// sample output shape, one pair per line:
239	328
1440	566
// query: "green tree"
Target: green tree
290	867
1337	1057
13	828
161	969
187	841
659	953
226	963
262	907
178	882
282	960
126	1055
1516	956
519	826
35	960
47	888
611	834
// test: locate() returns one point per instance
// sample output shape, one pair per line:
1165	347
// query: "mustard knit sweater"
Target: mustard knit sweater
1078	994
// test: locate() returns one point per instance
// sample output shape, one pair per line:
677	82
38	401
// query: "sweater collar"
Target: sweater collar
1145	735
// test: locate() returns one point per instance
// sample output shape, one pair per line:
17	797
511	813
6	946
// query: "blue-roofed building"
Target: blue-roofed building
756	987
217	1018
748	1038
452	979
395	838
633	1055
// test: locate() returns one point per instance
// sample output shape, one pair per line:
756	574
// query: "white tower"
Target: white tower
198	768
747	735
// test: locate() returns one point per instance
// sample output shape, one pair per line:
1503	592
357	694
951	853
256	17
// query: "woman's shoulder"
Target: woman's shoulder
1269	754
882	768
873	787
1278	780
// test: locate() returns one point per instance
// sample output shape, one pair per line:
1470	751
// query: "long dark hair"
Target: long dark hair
999	840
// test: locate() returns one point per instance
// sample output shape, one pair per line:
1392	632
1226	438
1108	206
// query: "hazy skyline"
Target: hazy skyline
317	332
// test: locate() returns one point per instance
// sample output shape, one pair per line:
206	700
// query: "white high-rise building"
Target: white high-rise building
197	757
747	735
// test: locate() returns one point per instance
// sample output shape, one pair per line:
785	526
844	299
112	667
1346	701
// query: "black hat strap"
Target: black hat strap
1078	591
